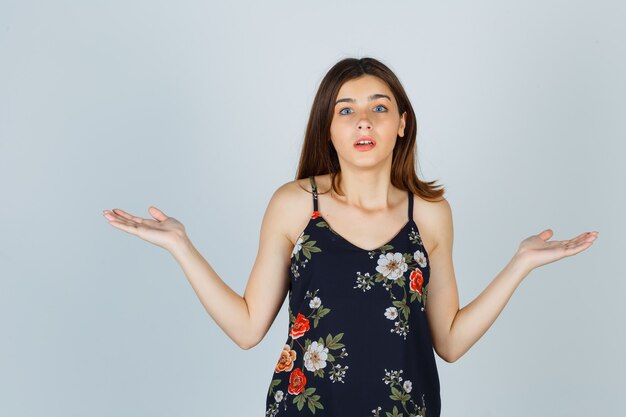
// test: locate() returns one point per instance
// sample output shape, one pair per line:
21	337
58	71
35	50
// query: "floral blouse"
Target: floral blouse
358	341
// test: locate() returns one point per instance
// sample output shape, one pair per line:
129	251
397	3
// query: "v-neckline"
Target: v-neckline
409	222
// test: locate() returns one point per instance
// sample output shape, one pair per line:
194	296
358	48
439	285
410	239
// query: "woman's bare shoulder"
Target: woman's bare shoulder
432	219
294	199
293	193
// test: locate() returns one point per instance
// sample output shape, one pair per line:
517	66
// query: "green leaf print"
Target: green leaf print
307	396
292	317
395	412
386	248
312	403
396	394
404	308
303	247
321	312
309	247
274	383
333	342
323	223
299	401
399	396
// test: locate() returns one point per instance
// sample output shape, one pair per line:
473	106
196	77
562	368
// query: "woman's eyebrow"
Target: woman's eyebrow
372	97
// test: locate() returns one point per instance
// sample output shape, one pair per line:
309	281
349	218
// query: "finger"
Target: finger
112	216
128	228
120	220
127	216
580	238
576	248
546	234
586	238
571	241
157	214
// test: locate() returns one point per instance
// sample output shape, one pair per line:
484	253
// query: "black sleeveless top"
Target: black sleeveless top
358	340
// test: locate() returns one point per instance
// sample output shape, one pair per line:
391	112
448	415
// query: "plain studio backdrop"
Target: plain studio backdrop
200	107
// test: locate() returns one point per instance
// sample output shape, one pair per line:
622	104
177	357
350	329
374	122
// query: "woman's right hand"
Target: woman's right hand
164	231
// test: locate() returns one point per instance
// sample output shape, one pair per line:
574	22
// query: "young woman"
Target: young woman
363	248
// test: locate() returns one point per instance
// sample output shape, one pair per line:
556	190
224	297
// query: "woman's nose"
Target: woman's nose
364	122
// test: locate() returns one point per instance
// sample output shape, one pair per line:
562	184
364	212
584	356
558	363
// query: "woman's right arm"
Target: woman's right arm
246	319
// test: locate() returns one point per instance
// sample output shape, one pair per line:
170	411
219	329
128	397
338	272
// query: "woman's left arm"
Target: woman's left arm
455	330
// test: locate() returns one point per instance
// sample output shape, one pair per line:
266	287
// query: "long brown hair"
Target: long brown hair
319	156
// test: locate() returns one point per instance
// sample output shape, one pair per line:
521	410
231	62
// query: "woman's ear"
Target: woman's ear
402	125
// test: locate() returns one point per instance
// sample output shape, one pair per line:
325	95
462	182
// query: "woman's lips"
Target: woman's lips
364	148
365	138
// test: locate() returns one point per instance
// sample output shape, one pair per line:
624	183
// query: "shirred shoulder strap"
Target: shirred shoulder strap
314	188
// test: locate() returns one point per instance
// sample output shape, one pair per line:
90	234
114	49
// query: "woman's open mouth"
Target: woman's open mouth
364	143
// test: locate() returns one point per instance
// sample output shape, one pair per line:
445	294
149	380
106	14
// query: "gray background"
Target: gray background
199	108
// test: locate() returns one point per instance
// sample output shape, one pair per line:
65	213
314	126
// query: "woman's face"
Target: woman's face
365	106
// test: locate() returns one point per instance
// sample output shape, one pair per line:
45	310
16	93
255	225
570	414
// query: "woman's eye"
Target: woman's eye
346	108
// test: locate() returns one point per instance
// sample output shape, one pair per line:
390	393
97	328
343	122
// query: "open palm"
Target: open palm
536	250
163	231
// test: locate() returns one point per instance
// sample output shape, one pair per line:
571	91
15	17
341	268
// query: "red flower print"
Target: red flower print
297	382
300	326
286	360
416	281
315	215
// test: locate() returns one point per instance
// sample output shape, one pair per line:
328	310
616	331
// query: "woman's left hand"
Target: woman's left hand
536	251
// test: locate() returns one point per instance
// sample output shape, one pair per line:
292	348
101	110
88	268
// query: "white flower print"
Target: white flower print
339	373
420	258
391	265
297	247
393	379
391	313
392	376
278	396
315	356
407	386
364	281
401	328
315	302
